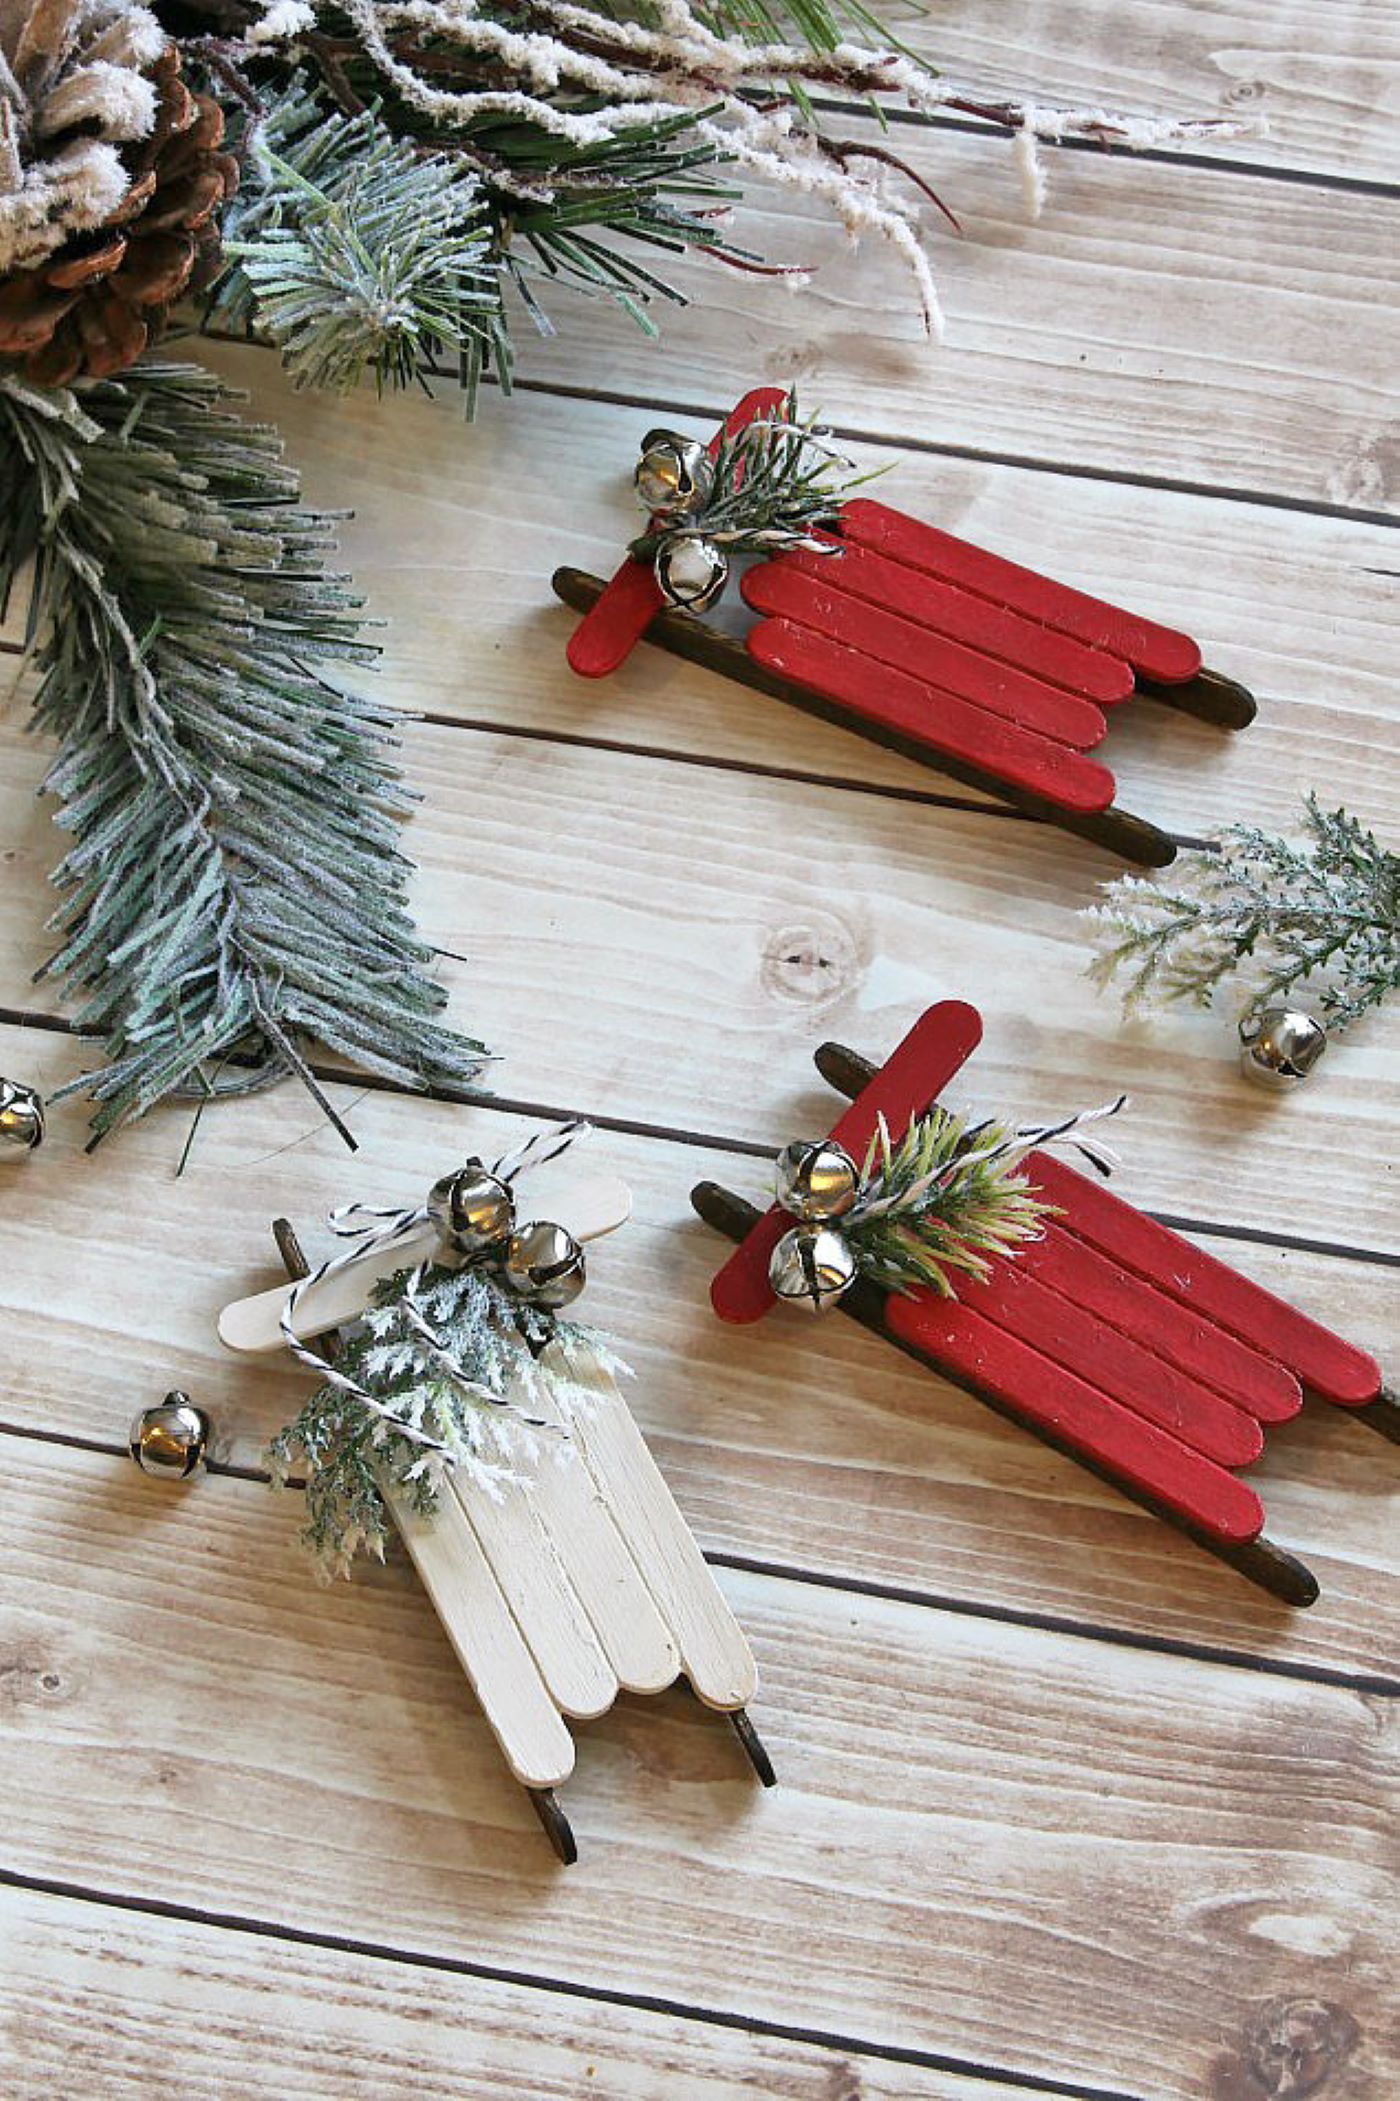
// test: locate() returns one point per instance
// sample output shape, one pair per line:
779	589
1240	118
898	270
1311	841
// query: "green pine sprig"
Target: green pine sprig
778	482
236	888
1276	915
445	1419
953	1201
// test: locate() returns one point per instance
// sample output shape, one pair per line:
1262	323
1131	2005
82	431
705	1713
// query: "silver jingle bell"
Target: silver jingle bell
816	1180
544	1266
21	1116
691	572
170	1441
675	476
472	1209
1280	1046
812	1266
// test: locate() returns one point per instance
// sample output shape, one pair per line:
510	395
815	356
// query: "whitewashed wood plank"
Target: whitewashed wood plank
991	1836
667	895
488	1642
138	2007
1320	73
807	1444
713	1649
540	1594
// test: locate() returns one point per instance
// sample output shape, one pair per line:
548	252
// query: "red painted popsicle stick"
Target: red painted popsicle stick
893	700
1075	1338
608	633
1160	653
818	602
947	609
1327	1365
908	1083
967	1345
1178	1334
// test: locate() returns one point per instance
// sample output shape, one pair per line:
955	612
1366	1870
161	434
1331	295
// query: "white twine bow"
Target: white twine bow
375	1227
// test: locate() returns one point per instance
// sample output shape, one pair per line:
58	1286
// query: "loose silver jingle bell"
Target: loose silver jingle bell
544	1266
812	1266
21	1116
1280	1045
816	1180
675	475
171	1440
472	1209
691	572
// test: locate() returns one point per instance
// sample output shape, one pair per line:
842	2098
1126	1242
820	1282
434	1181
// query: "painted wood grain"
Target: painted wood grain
1320	73
668	893
989	1843
125	2005
799	1444
455	541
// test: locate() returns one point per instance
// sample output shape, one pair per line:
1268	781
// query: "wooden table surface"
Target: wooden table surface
1065	1806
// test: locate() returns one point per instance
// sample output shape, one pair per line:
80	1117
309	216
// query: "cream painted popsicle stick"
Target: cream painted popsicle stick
536	1586
574	1510
490	1647
715	1654
586	1205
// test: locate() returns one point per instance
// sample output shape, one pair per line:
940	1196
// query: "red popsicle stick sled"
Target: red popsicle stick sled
1111	1338
960	659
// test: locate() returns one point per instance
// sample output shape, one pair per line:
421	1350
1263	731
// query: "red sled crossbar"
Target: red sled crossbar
988	671
1111	1338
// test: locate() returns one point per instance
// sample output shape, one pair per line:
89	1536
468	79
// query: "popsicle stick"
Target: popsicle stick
1177	1333
910	1080
483	1631
1272	1568
536	1586
948	609
634	1637
1324	1363
1088	1421
916	710
1075	1338
817	601
681	635
1158	652
715	1654
586	1204
611	628
1209	695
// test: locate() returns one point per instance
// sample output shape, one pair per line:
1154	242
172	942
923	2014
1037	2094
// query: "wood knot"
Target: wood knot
1289	2050
811	964
27	1675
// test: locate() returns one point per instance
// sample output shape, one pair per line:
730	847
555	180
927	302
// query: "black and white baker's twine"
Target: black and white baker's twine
374	1228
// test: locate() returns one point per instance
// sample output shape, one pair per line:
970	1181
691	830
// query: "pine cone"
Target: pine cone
111	183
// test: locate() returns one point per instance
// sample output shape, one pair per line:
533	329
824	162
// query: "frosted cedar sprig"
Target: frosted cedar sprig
446	1373
950	1198
1274	914
778	483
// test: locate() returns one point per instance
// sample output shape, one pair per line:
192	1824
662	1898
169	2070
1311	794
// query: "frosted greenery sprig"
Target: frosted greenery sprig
777	484
949	1199
358	254
1272	913
236	888
458	1377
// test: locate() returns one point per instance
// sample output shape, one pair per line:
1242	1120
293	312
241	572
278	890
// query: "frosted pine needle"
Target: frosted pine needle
1274	915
